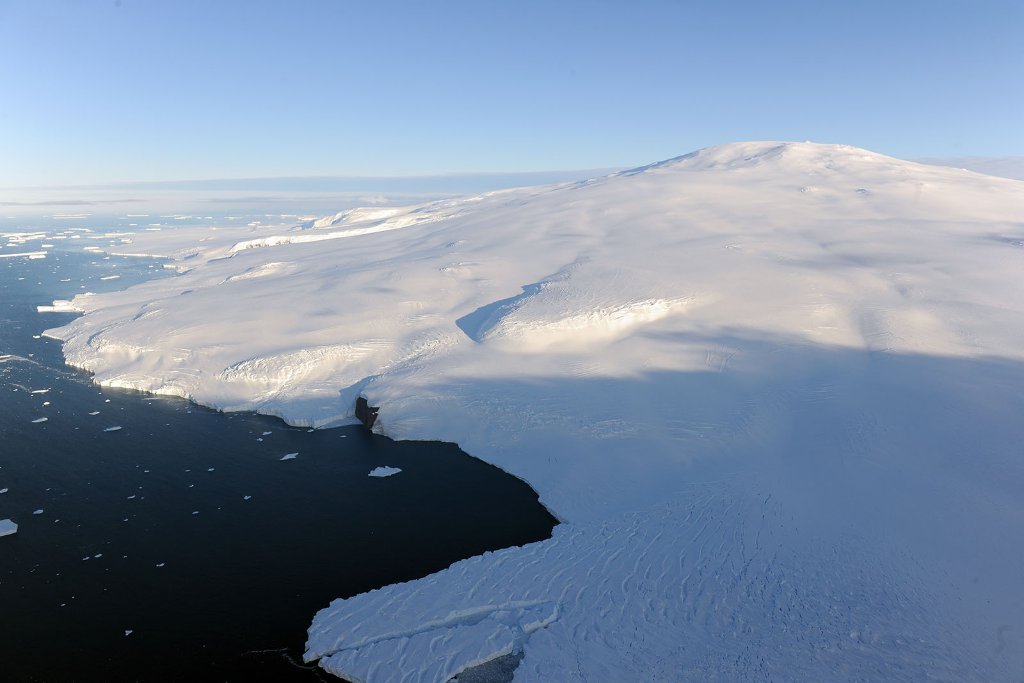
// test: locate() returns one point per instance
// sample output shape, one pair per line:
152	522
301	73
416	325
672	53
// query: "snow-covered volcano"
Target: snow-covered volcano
772	389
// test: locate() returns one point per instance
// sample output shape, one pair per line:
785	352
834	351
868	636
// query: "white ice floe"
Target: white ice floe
384	471
771	390
31	255
115	428
40	419
7	527
95	412
38	512
289	456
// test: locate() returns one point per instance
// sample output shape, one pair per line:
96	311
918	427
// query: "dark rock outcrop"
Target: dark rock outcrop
366	413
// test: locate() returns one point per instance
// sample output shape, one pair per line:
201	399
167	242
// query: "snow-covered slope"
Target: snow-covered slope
1004	167
772	389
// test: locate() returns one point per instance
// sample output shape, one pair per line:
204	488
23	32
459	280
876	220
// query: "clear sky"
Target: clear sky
94	92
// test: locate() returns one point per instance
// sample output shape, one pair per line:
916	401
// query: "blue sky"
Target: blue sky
137	90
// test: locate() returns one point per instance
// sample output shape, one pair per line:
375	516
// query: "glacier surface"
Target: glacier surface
771	390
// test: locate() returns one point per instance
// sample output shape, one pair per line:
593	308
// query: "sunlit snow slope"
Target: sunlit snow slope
774	391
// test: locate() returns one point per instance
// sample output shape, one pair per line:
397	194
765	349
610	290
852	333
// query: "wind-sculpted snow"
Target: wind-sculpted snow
356	222
264	270
772	391
575	306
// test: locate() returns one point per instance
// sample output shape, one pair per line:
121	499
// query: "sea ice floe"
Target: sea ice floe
112	429
7	527
290	456
40	419
384	471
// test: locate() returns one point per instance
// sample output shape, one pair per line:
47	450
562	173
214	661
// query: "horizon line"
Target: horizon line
448	175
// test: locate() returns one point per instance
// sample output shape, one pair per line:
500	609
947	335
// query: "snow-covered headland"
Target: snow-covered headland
771	389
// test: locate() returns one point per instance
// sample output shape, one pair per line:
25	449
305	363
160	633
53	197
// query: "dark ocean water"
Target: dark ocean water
180	546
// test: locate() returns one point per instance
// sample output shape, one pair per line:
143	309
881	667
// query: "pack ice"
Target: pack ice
771	390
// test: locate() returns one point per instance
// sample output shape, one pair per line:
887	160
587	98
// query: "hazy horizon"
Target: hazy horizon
325	194
302	194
